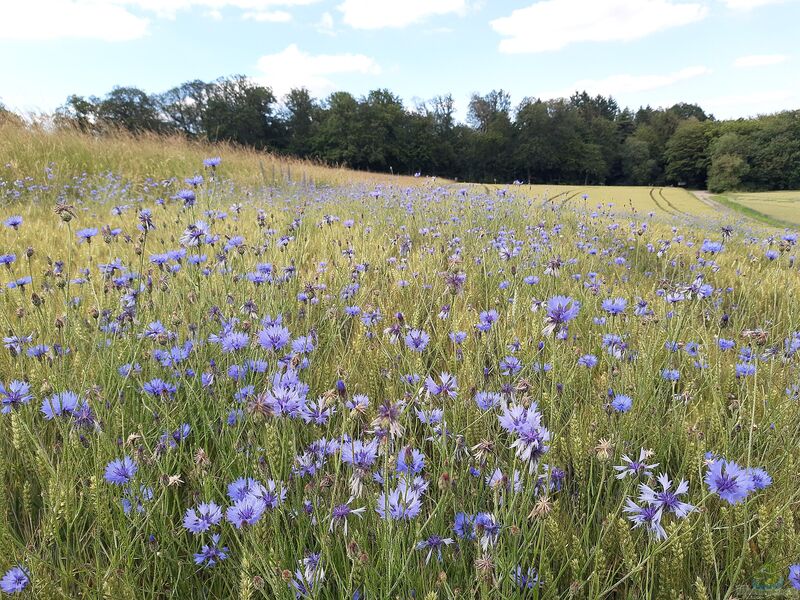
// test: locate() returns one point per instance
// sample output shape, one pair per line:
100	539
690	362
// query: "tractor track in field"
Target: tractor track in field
658	204
567	199
672	206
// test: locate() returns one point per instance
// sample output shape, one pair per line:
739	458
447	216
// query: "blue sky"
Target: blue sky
734	57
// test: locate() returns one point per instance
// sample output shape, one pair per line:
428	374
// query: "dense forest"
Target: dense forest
576	140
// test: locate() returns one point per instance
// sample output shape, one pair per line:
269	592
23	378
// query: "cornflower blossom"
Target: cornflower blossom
246	511
560	310
15	580
487	529
61	404
729	481
121	471
402	503
202	518
317	412
621	403
341	512
417	340
794	576
531	436
488	400
635	468
525	579
434	543
614	306
447	385
211	554
648	516
410	461
16	394
666	499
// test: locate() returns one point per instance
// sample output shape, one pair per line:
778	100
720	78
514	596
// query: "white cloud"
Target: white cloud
39	20
553	24
170	8
379	14
325	24
751	103
749	4
294	68
266	16
116	20
616	85
759	60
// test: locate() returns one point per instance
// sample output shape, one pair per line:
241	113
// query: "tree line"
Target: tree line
582	139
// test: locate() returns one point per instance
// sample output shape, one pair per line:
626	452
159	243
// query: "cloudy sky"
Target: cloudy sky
734	57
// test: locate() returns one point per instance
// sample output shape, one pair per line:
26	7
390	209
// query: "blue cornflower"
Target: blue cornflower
17	393
121	471
648	516
464	526
434	543
666	499
614	306
729	481
203	517
635	468
487	400
15	580
410	461
60	404
212	162
211	554
87	234
13	222
246	511
525	579
447	385
794	576
671	374
417	340
274	337
622	403
401	503
560	310
234	340
745	369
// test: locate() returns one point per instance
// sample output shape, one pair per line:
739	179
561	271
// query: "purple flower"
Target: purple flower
15	580
417	340
410	461
87	234
447	386
730	481
61	404
622	403
434	543
16	394
121	471
211	554
401	503
560	310
614	306
274	337
794	576
648	516
342	512
202	518
13	222
667	500
246	511
635	468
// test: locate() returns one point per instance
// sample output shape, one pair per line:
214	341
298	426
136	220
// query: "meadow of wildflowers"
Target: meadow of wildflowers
215	390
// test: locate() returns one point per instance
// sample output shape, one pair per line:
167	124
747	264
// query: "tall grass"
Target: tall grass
134	304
